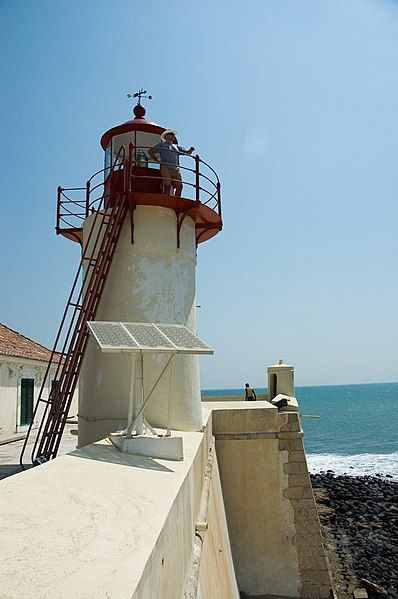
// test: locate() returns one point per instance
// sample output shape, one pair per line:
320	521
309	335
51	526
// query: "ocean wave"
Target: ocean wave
355	465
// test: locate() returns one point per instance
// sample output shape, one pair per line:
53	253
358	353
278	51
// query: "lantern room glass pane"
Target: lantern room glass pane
108	158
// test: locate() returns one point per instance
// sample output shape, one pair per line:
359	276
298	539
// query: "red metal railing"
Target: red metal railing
200	183
72	337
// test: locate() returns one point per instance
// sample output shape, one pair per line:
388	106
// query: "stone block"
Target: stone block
297	456
325	592
315	576
289	444
283	419
311	539
307	493
295	427
316	562
304	526
309	591
285	428
292	468
360	594
303	467
293	493
300	503
298	480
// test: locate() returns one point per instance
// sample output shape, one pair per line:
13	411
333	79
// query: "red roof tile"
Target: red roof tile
19	346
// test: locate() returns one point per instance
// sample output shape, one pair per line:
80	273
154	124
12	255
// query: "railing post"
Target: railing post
87	198
219	197
59	192
197	180
131	161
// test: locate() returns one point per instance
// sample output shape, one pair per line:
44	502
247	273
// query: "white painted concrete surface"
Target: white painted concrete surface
149	281
99	523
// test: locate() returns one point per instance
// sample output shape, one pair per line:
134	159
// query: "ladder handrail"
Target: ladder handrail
69	376
60	358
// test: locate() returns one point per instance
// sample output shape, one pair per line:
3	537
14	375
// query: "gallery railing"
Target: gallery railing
200	183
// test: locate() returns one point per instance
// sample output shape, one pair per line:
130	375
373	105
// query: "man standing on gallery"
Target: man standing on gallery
169	152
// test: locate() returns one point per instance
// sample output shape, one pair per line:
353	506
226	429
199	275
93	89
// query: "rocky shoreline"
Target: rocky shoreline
359	519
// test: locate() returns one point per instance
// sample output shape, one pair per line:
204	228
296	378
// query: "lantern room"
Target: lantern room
129	168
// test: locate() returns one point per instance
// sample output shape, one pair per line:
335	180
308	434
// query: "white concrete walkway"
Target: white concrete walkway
10	452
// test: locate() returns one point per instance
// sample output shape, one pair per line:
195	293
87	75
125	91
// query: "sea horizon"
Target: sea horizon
208	391
355	429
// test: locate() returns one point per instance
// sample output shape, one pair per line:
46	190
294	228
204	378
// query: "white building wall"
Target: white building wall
12	370
150	280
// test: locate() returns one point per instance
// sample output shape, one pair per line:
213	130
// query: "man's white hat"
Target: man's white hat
162	137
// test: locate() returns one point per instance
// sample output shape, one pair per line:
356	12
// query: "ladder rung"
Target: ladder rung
78	306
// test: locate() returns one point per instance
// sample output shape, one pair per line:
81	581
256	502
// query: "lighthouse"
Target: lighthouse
139	235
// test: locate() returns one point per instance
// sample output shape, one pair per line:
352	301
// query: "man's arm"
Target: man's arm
152	153
185	151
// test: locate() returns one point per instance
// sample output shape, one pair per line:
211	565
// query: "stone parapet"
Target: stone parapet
272	519
315	580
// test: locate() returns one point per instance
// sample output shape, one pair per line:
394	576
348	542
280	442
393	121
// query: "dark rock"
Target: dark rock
373	590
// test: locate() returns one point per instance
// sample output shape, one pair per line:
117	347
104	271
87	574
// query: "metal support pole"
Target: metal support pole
132	425
138	393
132	390
168	432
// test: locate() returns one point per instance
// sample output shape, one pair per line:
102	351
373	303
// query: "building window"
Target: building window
27	393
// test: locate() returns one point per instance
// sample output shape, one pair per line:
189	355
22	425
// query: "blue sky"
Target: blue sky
293	102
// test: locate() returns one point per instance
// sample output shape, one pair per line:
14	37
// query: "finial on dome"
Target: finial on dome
139	110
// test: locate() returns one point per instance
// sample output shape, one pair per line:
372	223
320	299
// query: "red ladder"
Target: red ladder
73	335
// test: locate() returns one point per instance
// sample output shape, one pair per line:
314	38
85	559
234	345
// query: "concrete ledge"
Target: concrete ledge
270	435
86	524
242	416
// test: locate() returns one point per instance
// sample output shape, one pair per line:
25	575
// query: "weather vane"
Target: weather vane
140	94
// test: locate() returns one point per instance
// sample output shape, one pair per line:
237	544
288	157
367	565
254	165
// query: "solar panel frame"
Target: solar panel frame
100	331
135	333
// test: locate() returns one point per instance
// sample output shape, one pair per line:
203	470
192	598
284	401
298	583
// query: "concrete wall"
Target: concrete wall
105	524
217	573
109	525
11	371
271	513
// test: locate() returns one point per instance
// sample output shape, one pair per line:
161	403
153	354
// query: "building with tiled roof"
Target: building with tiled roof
15	344
23	365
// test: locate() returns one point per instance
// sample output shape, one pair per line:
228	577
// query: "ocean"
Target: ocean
357	429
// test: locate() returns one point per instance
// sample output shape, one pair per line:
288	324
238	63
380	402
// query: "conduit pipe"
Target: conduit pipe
201	526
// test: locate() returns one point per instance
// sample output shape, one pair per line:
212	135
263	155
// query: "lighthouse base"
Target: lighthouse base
166	448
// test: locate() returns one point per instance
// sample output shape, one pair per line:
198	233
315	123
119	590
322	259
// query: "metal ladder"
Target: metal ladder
72	337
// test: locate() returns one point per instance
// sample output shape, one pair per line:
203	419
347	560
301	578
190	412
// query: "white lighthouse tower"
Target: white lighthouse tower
149	277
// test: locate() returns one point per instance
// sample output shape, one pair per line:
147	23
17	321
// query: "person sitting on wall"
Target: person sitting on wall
250	394
169	152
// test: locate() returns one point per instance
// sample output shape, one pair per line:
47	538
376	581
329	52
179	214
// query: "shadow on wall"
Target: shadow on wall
106	452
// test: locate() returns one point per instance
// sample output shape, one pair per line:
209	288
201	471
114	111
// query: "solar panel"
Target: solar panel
147	337
183	338
112	335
